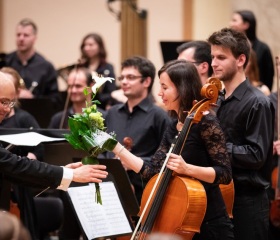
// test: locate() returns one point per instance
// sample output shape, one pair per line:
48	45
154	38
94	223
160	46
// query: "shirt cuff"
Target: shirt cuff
66	179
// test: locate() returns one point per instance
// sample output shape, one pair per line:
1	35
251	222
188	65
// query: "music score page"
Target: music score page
108	219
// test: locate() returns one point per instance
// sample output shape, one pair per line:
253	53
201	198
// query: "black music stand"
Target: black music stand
119	177
169	49
41	108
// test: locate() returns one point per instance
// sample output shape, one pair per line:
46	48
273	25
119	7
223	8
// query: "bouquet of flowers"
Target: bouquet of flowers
87	131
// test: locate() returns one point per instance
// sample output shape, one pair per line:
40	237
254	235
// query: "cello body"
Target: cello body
228	196
185	220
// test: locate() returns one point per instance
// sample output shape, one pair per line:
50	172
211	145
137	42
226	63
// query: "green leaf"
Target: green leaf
90	161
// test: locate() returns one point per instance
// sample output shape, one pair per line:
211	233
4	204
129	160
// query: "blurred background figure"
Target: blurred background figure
39	75
252	72
245	21
199	53
78	79
94	57
12	228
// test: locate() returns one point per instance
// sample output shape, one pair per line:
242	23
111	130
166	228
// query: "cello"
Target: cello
180	199
275	178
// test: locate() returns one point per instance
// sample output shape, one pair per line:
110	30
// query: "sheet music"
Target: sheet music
28	139
97	220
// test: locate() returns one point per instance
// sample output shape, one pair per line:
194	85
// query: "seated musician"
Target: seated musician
78	79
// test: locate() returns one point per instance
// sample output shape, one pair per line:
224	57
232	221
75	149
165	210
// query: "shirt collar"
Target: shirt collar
28	60
145	105
239	92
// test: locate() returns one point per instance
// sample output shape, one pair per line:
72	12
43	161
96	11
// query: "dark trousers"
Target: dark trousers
251	214
217	229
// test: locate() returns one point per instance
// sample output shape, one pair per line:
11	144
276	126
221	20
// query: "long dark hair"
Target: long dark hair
249	17
185	77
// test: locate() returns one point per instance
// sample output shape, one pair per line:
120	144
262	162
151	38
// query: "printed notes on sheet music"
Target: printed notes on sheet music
97	220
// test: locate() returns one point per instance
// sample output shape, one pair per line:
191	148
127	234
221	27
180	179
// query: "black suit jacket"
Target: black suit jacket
25	171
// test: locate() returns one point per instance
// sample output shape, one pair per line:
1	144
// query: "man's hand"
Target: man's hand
88	173
74	165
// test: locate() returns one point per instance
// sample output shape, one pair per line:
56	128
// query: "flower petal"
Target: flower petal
99	81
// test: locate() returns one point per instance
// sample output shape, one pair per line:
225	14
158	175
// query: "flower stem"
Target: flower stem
97	194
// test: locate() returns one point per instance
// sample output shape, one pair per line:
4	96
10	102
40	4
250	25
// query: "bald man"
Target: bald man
34	172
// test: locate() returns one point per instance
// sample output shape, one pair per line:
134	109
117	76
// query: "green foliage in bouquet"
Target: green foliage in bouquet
87	131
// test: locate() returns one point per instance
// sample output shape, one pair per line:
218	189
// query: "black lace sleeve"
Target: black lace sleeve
214	139
150	168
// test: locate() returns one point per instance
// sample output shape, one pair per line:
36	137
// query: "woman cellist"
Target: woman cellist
204	155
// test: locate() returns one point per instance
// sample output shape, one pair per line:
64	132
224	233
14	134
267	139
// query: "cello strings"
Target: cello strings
152	192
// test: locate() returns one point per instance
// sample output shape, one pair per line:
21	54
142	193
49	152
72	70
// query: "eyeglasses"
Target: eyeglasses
7	103
129	77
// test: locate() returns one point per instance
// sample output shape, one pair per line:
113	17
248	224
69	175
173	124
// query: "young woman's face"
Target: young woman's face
91	48
236	23
168	93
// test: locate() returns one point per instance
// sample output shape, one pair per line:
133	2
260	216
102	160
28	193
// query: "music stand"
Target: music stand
41	108
119	177
168	50
59	133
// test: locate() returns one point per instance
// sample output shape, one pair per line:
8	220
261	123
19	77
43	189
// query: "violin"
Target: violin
275	176
180	199
14	209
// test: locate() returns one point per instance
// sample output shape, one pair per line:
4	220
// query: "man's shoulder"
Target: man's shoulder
255	96
115	108
39	57
11	56
22	113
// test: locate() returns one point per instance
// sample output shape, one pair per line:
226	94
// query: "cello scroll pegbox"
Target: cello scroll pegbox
212	89
217	82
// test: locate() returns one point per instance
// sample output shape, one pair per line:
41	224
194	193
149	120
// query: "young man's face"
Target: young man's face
25	38
224	64
133	84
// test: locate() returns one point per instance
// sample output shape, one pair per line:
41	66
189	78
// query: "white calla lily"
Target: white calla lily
99	81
